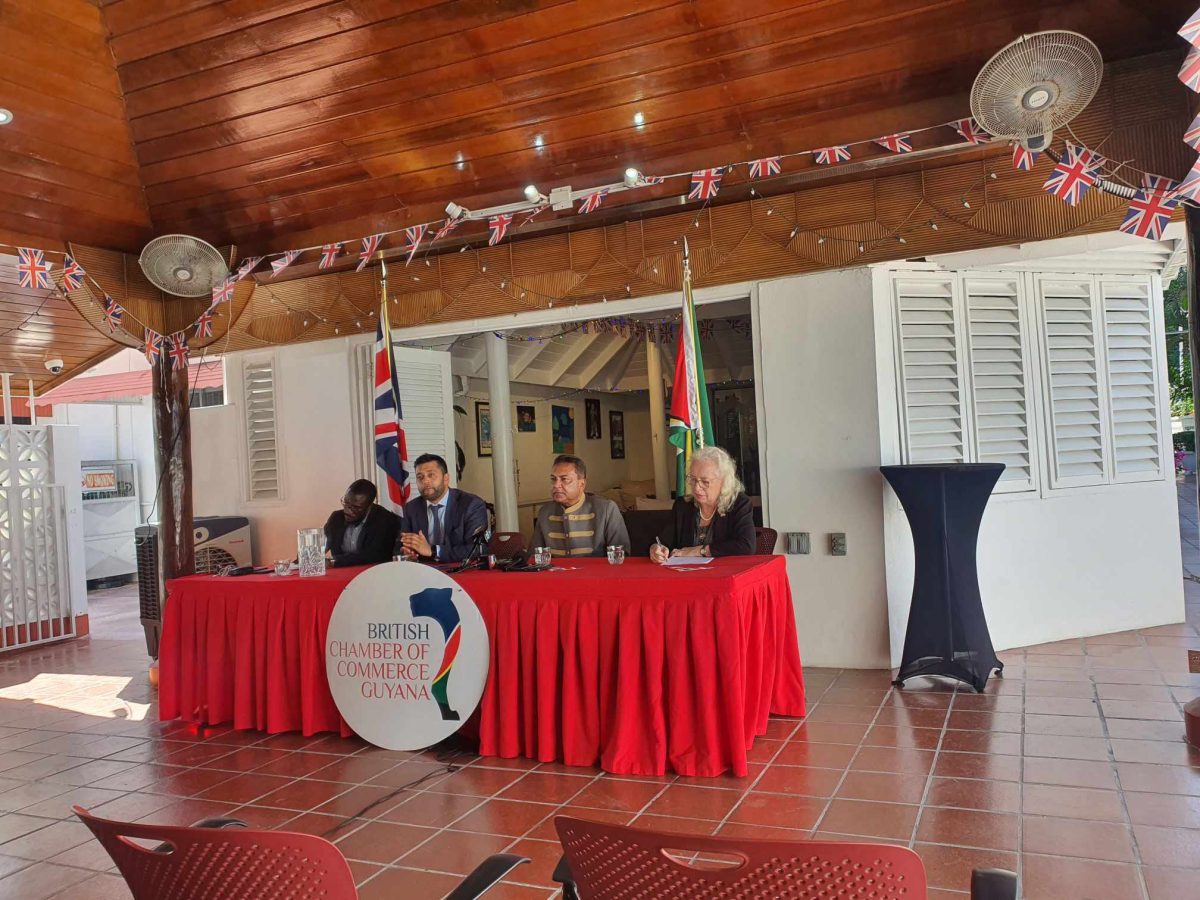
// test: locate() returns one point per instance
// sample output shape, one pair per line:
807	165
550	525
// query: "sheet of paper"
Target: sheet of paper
688	561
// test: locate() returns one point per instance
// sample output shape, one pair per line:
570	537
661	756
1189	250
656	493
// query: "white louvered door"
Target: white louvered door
1132	361
930	368
262	450
1000	378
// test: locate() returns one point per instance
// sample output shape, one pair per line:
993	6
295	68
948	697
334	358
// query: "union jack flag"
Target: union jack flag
72	273
1151	207
177	349
204	324
1191	137
827	156
391	449
897	143
705	184
592	201
1189	188
653	179
1190	31
113	313
32	269
369	246
498	226
1075	173
448	226
247	266
1024	159
969	131
278	265
329	254
222	291
153	346
414	236
1189	73
763	168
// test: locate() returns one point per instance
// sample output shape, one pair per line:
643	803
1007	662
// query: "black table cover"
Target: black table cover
947	632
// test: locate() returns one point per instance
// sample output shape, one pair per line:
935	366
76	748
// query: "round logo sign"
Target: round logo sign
406	656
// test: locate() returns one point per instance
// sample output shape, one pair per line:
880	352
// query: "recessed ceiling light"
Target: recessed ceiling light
538	141
632	177
532	194
460	162
639	119
6	116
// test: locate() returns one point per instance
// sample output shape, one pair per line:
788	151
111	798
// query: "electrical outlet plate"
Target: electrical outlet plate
797	542
1194	662
837	543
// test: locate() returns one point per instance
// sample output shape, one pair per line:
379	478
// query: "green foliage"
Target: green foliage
1179	362
1185	440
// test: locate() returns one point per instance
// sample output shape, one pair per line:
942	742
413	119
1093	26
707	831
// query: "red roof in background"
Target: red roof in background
123	385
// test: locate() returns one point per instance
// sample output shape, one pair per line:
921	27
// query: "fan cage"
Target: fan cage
161	258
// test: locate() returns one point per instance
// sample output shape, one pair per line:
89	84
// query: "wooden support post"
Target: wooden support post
173	461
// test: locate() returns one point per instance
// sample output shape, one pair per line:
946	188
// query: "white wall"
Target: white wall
65	470
819	438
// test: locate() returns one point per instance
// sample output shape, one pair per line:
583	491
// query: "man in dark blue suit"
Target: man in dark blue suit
441	524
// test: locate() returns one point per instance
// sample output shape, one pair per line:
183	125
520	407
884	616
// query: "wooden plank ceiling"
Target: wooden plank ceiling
271	124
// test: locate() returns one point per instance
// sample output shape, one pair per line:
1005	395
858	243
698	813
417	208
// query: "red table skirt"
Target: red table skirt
637	669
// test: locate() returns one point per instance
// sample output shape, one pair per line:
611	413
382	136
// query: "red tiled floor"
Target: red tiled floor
1071	769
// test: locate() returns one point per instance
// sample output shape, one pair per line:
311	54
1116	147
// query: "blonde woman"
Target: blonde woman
715	518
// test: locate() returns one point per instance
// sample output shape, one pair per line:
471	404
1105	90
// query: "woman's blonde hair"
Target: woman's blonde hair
731	485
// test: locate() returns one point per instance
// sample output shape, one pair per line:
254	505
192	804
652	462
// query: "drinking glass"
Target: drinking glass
616	555
310	543
541	556
282	567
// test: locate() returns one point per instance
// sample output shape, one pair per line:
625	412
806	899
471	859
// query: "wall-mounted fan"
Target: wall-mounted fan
1035	85
182	265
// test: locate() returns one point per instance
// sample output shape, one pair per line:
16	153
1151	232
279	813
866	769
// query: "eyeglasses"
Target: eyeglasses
705	483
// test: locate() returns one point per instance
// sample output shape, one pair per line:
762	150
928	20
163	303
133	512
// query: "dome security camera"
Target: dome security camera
54	366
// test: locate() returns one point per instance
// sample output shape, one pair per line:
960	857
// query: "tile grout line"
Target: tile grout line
937	751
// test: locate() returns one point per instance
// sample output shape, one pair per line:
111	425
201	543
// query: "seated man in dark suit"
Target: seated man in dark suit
361	533
441	525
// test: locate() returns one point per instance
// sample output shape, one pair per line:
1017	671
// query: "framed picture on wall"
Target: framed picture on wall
562	423
591	409
483	428
526	418
616	433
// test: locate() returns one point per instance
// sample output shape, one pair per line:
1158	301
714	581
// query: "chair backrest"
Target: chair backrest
615	862
208	864
765	539
506	544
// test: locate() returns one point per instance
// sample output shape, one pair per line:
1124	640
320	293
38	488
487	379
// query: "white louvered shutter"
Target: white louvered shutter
262	445
999	378
1132	368
929	369
1068	325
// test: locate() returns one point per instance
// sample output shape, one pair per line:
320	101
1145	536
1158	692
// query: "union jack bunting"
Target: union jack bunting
1151	207
653	179
72	273
32	269
414	236
1189	73
1074	175
247	266
969	131
705	184
278	265
329	254
1189	188
1190	31
897	143
764	168
1191	137
448	226
222	291
153	346
498	226
369	246
1023	159
113	313
204	324
592	201
827	156
177	349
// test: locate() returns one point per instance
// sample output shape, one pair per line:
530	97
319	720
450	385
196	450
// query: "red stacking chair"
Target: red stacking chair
764	539
222	859
616	862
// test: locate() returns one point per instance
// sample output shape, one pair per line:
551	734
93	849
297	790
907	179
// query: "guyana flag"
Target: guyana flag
690	423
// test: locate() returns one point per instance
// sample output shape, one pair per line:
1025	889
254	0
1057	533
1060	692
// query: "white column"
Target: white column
502	440
658	419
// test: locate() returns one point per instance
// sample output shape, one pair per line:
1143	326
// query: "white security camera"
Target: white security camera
54	365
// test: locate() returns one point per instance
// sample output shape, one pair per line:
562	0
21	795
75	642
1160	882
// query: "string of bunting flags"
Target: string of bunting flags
1076	171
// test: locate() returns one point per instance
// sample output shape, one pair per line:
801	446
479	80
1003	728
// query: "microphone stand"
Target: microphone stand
473	560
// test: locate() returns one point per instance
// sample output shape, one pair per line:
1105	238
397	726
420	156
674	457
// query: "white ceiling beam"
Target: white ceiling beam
521	360
720	340
596	366
575	348
617	368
